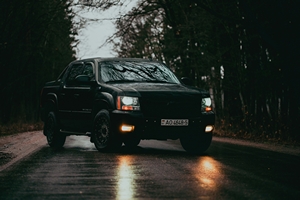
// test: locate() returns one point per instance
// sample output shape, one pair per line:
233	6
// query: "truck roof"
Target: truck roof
99	59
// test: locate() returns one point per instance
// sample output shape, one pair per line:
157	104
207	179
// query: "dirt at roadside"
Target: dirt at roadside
14	147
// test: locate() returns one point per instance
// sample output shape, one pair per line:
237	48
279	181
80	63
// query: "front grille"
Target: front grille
171	106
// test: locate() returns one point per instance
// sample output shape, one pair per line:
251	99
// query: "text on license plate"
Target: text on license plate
174	122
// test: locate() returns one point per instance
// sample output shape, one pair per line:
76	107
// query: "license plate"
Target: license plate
174	122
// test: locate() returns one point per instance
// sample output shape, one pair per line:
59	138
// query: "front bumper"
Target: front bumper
150	127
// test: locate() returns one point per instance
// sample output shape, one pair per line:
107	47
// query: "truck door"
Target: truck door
83	100
76	98
66	96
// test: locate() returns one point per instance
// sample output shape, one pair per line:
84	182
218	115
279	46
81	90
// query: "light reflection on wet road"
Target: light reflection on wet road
207	173
153	170
126	178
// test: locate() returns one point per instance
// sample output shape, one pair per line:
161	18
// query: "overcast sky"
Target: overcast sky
96	33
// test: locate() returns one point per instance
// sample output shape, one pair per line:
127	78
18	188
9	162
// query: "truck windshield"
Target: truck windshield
132	71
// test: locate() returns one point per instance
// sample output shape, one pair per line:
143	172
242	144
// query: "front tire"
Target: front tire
196	143
101	135
55	139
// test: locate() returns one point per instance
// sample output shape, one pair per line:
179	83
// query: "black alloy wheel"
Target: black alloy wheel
101	136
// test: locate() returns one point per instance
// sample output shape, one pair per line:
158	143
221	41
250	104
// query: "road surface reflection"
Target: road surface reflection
126	178
208	174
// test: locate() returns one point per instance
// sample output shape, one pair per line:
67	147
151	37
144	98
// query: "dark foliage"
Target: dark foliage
36	41
245	52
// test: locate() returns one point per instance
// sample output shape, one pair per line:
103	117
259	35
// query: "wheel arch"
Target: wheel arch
49	105
104	101
100	105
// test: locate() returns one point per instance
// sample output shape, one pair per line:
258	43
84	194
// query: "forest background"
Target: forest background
245	52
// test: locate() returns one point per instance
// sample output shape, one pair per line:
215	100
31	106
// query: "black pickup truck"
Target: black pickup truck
125	100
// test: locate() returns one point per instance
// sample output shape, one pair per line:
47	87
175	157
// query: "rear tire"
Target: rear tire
101	135
196	143
55	139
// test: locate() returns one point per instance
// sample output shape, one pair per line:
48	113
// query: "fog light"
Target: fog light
208	109
127	128
209	128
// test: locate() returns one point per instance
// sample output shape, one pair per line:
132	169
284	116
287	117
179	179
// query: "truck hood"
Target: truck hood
162	89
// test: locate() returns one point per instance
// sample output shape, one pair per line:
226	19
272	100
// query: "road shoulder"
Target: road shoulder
280	148
17	146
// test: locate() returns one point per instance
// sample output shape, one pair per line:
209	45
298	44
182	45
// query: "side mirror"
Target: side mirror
187	81
82	79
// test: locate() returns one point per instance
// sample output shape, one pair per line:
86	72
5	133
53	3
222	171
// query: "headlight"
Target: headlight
128	103
206	105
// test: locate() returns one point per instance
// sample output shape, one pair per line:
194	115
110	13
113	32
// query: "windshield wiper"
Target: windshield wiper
157	81
121	81
133	81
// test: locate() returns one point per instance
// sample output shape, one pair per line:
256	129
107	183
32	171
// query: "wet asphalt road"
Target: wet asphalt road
154	170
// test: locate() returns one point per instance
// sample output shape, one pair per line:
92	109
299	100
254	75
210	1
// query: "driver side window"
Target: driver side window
88	70
79	69
75	70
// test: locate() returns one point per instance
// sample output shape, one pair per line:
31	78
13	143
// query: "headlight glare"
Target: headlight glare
127	100
206	105
128	103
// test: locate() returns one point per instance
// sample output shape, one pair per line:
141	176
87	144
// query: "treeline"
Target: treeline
36	43
245	52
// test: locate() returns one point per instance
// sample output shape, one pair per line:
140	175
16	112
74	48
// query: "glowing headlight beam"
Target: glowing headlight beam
128	103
